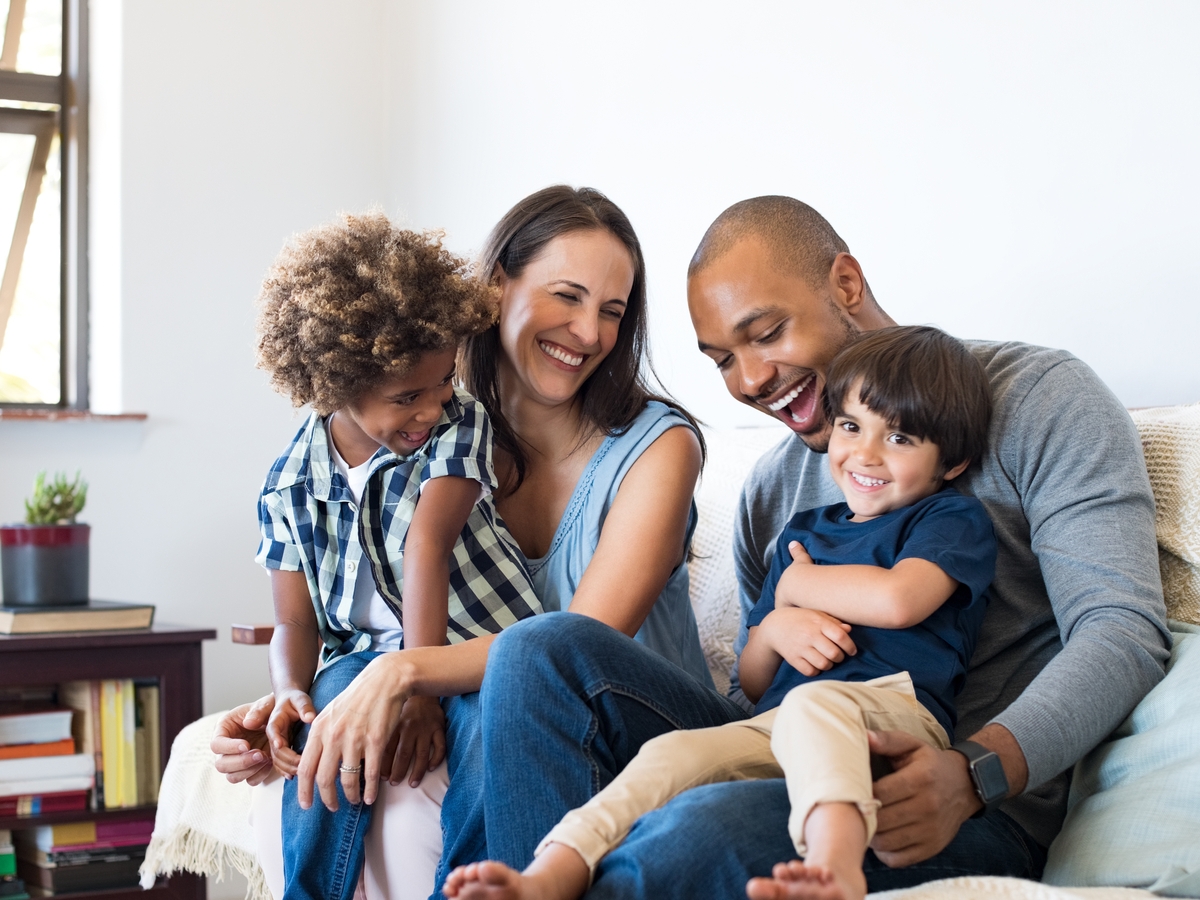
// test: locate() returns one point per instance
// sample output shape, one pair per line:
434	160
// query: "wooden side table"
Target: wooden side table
168	653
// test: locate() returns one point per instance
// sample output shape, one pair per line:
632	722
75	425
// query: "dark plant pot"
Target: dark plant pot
44	565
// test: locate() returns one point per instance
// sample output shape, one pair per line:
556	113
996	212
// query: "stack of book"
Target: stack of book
11	887
117	722
82	856
40	771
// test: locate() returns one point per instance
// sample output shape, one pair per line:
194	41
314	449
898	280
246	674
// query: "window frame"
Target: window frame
69	90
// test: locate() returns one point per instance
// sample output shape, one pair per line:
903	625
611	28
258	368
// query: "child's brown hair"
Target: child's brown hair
359	300
921	380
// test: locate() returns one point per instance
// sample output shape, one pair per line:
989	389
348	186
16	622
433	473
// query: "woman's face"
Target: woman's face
560	317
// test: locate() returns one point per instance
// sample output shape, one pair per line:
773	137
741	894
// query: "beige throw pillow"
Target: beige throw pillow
1171	444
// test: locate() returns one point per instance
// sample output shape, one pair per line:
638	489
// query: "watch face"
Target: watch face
991	780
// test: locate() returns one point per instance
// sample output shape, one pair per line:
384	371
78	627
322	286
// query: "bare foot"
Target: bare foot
797	881
485	881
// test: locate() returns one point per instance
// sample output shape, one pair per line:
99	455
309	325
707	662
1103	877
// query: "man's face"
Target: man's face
771	335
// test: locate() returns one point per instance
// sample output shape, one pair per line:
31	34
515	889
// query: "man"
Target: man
1074	636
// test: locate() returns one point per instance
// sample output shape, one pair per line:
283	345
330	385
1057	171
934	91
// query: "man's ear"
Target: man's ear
847	283
956	471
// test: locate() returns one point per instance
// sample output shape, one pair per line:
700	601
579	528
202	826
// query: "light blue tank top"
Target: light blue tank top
670	629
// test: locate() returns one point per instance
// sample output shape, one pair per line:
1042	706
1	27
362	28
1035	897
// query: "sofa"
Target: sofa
1133	825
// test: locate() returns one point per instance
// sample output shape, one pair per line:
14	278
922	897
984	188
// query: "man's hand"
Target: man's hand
810	641
787	590
925	799
420	741
240	742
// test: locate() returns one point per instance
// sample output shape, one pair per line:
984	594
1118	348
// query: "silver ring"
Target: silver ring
350	769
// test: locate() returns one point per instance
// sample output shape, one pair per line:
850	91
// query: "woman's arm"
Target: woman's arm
642	540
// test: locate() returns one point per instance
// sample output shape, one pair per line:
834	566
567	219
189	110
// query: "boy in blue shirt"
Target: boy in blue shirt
867	621
378	526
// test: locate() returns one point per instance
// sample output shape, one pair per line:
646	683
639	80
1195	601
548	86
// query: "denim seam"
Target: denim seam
350	837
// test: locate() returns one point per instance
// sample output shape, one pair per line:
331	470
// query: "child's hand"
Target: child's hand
790	586
809	641
420	741
290	707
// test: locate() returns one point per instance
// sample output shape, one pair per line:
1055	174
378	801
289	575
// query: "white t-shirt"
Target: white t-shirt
369	612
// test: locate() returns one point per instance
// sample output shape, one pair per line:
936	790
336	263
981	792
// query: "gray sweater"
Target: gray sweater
1075	632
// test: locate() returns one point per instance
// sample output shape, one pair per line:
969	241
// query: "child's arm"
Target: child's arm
293	663
899	597
441	514
808	640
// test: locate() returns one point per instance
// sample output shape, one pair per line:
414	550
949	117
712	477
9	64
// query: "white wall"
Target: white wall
238	124
1021	170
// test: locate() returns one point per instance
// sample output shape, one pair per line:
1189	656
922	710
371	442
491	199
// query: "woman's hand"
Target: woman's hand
420	741
240	742
291	706
354	730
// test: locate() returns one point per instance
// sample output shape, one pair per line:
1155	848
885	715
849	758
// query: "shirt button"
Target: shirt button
351	567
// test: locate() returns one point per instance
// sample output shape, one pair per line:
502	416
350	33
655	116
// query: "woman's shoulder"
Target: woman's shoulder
655	418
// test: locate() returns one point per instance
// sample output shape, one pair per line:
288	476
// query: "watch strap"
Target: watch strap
987	775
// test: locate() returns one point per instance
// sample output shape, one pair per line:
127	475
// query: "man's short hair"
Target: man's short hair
923	382
799	238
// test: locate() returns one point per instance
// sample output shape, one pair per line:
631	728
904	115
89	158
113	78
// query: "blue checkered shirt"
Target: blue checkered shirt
310	521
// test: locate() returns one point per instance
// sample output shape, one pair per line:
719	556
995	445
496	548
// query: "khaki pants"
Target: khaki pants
816	739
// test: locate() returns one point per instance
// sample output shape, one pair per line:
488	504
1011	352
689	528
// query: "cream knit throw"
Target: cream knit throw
202	824
1171	444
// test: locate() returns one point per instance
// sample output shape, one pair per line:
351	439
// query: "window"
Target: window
43	264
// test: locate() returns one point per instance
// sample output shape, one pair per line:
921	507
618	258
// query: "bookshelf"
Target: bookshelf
168	653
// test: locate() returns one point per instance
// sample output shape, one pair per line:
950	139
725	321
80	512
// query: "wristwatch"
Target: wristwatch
987	775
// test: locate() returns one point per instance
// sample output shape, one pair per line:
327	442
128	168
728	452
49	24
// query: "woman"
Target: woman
598	475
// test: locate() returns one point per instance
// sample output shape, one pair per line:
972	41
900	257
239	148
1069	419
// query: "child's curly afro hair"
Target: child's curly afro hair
357	301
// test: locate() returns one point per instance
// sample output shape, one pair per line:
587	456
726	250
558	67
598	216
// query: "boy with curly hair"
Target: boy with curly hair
378	526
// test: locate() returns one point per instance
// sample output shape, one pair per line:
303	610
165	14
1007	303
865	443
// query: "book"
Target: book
38	786
31	725
32	767
116	870
65	747
150	765
40	804
8	855
128	752
97	615
83	697
110	742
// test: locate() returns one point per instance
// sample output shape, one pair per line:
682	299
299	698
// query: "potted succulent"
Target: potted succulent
44	562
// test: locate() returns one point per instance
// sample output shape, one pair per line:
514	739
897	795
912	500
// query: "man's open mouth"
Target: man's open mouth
798	406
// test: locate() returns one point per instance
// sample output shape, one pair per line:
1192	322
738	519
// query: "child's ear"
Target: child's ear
498	275
956	471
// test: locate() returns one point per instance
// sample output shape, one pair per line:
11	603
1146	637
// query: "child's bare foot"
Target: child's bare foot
797	881
558	873
490	880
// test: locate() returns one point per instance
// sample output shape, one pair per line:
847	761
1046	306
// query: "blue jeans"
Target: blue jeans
567	702
709	841
322	850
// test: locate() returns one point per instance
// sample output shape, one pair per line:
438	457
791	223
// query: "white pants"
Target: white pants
816	739
403	844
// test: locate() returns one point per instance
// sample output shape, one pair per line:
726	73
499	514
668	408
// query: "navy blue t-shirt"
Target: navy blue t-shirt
950	530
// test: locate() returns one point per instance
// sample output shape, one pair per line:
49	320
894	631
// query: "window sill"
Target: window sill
66	415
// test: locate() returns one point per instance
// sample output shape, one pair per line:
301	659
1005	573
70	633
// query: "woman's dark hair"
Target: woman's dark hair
617	392
922	381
